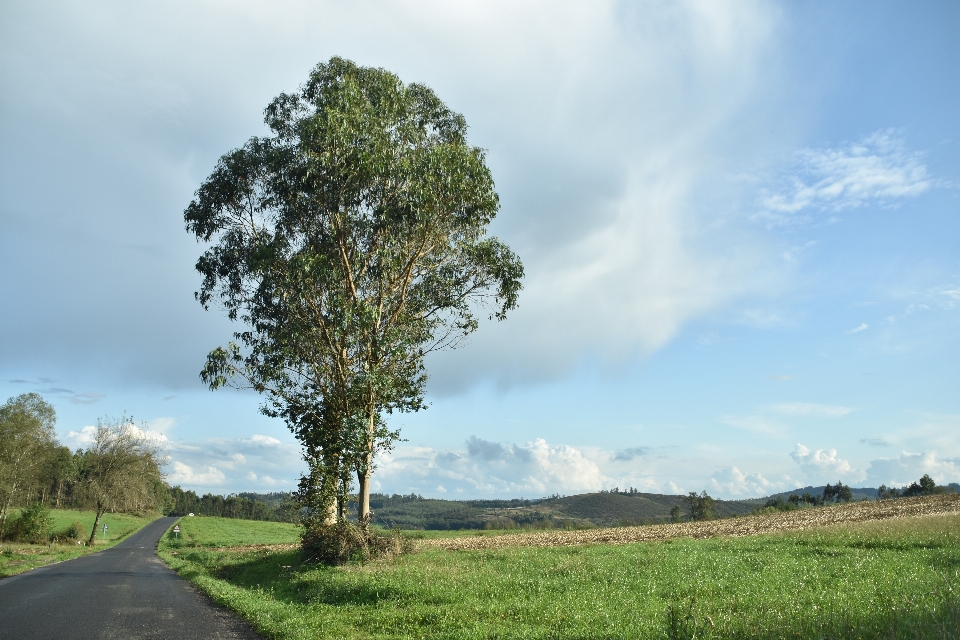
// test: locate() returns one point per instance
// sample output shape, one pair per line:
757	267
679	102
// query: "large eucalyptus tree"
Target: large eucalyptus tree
350	243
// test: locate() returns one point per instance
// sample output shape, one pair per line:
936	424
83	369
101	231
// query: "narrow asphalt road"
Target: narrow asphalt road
122	592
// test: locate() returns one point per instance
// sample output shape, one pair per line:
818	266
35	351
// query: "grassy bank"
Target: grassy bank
16	557
890	579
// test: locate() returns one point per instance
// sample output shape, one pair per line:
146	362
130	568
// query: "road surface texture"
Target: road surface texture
121	592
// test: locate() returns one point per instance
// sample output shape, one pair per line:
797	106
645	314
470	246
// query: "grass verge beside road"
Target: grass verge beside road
895	578
16	557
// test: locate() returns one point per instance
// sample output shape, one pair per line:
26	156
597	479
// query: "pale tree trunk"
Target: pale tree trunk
363	475
6	509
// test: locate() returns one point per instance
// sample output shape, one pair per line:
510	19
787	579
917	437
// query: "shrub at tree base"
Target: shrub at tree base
76	531
343	541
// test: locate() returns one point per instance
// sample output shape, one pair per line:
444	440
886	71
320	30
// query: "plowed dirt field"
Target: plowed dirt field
741	526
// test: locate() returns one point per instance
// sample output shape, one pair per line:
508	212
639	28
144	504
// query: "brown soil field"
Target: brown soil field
739	526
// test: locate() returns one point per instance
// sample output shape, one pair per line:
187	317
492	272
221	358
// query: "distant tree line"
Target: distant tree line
926	486
281	507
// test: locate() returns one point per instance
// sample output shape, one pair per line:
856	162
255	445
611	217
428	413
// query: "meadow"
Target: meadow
16	557
895	578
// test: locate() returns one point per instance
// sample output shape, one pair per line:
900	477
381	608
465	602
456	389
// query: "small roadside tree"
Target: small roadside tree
120	469
27	441
351	243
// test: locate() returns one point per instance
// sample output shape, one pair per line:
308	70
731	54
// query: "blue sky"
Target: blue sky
739	223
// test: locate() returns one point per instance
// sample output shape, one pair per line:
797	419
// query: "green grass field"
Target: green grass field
888	579
203	531
18	557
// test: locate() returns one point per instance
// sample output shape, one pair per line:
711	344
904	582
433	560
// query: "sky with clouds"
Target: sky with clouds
739	223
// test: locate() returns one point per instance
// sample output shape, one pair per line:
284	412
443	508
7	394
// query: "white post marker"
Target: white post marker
105	527
176	531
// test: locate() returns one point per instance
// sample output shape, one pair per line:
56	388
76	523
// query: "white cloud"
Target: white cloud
877	169
863	327
245	464
85	436
822	464
908	467
208	476
810	409
733	482
491	469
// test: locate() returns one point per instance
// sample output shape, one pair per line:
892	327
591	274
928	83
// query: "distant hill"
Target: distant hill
608	509
858	493
603	509
589	509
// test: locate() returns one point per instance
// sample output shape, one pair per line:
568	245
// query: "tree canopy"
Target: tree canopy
27	442
121	469
351	242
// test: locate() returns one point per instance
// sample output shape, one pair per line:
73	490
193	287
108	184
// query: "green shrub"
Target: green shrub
33	525
336	544
76	531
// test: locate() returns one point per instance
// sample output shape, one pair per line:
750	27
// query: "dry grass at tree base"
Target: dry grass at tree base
734	527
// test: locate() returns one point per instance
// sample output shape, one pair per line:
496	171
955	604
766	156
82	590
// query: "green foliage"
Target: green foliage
76	531
889	579
33	525
675	515
121	470
837	493
702	507
351	242
27	442
277	507
925	487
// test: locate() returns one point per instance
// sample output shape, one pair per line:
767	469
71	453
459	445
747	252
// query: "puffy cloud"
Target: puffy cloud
85	436
243	464
490	469
822	464
908	467
733	482
204	477
877	169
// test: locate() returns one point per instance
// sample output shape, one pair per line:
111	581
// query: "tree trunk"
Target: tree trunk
363	474
6	510
96	521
